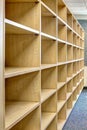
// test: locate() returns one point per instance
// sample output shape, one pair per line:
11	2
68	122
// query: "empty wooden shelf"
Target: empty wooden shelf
41	64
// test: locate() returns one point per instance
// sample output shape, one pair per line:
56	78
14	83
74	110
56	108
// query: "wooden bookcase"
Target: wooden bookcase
41	64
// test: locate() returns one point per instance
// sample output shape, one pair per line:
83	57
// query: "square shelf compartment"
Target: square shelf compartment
48	51
27	122
21	93
74	67
48	83
62	75
62	10
51	4
69	52
61	97
62	117
78	28
48	109
22	50
69	18
62	52
81	53
62	31
74	53
74	24
69	88
74	38
25	13
48	22
78	41
69	36
69	70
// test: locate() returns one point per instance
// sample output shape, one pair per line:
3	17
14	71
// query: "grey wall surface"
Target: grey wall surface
84	25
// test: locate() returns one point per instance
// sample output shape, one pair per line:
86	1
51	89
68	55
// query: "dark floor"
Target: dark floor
78	117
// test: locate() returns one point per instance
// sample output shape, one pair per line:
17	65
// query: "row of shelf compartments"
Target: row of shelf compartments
48	20
29	47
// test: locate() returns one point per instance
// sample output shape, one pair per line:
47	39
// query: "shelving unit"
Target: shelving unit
41	64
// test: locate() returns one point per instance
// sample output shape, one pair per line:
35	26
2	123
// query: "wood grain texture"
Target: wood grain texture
24	13
48	56
22	51
29	122
23	88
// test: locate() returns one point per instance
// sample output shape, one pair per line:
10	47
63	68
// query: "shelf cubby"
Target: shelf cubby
78	29
62	117
78	66
69	70
62	75
69	88
61	52
61	97
21	92
74	38
69	36
48	82
74	53
81	53
48	22
48	111
20	48
30	10
53	125
62	10
74	67
69	18
27	122
50	4
78	41
48	51
74	24
75	95
69	52
62	31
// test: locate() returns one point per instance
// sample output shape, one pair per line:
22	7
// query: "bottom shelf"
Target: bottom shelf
46	119
16	111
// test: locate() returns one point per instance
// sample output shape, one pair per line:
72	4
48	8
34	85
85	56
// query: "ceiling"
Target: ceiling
78	8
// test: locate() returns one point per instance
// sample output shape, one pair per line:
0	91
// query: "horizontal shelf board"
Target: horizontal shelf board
68	113
16	28
46	93
60	84
61	124
16	111
69	78
22	1
46	119
52	13
48	36
68	95
44	66
14	71
60	104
